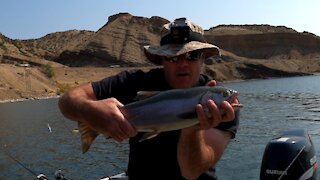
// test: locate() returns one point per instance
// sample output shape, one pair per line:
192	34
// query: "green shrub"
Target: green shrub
48	70
62	88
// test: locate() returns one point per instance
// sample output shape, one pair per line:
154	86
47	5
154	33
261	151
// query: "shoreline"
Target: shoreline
22	99
27	99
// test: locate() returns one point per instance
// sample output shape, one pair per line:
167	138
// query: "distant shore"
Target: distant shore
27	99
57	96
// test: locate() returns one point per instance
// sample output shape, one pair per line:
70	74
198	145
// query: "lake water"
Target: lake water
270	107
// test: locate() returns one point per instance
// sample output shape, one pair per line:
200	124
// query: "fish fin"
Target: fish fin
87	136
148	135
141	95
234	106
237	106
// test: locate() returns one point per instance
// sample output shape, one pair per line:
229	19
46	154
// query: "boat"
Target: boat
121	176
290	155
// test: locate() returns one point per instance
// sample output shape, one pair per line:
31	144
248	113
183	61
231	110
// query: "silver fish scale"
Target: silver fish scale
173	109
168	110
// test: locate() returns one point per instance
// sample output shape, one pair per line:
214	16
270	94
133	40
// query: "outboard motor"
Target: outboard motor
291	155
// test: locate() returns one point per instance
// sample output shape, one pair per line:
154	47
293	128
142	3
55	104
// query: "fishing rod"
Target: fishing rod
58	174
39	176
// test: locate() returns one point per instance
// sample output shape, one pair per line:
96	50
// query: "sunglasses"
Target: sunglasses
189	56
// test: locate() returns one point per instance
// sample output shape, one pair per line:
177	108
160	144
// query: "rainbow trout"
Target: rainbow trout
165	110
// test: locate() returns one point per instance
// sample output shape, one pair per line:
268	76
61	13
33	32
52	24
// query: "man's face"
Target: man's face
183	71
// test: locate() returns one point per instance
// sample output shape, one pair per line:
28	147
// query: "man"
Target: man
190	153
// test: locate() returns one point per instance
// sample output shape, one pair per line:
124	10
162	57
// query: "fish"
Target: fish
156	112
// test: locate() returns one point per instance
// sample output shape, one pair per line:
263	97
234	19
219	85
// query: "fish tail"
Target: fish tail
87	136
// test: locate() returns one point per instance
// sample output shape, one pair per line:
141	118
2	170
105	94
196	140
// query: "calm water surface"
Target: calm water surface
270	107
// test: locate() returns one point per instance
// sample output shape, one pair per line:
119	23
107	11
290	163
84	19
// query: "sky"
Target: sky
31	19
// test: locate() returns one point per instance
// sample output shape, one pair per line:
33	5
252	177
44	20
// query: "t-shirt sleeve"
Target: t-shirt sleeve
120	86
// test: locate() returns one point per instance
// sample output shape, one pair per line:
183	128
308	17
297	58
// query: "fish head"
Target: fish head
230	95
219	94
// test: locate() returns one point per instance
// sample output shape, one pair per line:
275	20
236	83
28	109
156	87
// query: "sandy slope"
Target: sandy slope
21	82
30	82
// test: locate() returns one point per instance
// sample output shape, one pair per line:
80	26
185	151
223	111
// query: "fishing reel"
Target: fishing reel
42	177
58	176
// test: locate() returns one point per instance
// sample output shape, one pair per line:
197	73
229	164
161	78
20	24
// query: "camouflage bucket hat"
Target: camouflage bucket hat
180	37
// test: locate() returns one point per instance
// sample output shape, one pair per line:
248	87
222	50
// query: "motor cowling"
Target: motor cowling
290	155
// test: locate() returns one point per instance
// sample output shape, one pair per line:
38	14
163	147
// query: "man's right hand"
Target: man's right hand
103	116
108	120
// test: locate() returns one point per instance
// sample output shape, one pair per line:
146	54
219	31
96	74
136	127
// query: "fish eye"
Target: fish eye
226	93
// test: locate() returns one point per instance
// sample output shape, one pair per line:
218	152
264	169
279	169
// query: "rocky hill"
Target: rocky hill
120	42
52	45
73	57
265	42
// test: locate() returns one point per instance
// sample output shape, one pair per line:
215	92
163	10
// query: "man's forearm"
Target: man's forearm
73	103
194	155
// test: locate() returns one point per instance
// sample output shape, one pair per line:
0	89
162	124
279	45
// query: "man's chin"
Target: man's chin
183	84
182	81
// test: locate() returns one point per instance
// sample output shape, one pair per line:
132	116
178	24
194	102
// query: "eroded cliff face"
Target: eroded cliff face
248	52
269	45
118	42
52	45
